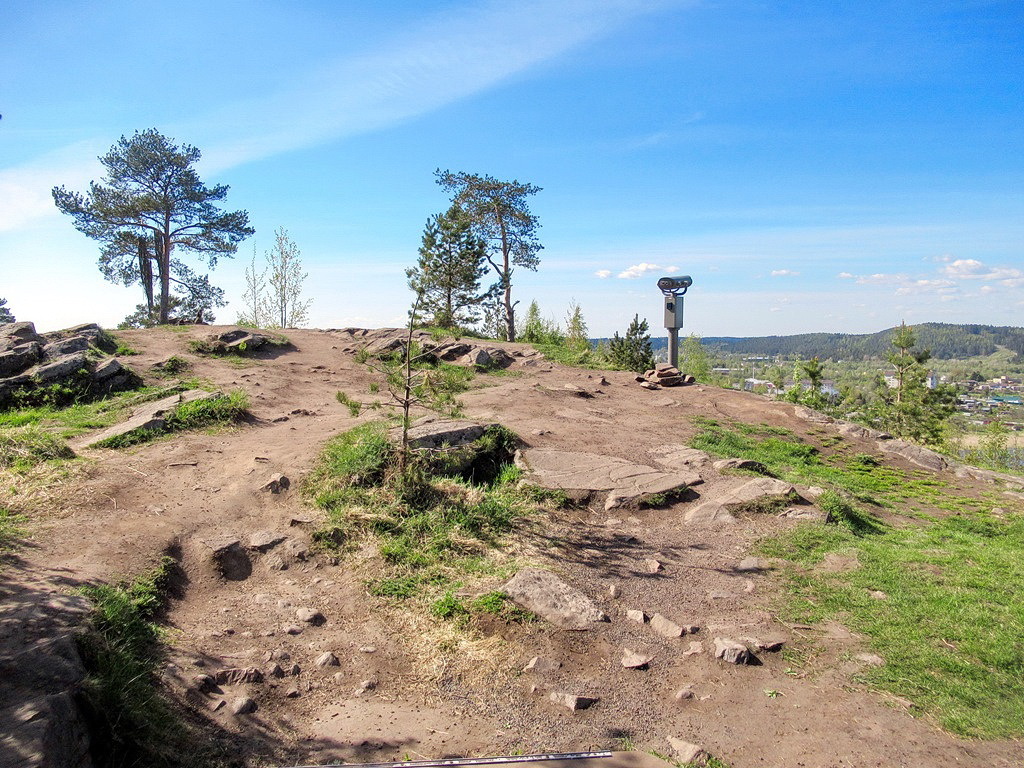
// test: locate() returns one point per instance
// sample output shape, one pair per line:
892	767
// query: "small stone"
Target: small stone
770	644
367	649
217	705
652	566
750	565
243	706
366	685
292	629
638	616
542	665
310	616
687	753
614	592
280	654
696	647
275	670
327	659
649	385
294	670
731	651
665	627
238	675
203	683
871	659
276	483
633	660
683	694
573	702
339	677
292	693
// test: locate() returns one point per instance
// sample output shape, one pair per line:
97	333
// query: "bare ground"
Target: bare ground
439	691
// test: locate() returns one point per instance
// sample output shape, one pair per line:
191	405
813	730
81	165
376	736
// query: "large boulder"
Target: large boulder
17	358
13	334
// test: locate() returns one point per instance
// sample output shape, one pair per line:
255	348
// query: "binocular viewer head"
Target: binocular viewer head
675	284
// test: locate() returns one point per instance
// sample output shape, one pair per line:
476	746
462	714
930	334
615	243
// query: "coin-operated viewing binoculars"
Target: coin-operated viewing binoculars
673	289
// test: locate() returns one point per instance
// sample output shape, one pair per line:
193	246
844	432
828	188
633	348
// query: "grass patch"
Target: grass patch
24	447
78	418
191	415
433	531
132	722
11	529
952	624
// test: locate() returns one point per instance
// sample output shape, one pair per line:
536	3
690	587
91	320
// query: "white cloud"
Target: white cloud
784	273
972	269
844	276
451	56
603	273
643	268
25	189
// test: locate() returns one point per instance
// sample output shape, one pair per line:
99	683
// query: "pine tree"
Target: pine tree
449	270
5	314
909	408
634	352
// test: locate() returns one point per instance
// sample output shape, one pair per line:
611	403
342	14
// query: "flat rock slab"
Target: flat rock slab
625	480
431	434
151	416
923	457
551	598
720	509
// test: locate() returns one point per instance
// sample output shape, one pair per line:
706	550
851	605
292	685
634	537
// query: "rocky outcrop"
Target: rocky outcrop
383	341
625	481
722	508
62	365
238	341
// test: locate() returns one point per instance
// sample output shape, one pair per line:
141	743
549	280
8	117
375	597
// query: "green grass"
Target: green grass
192	415
24	447
133	722
951	628
432	531
11	529
77	418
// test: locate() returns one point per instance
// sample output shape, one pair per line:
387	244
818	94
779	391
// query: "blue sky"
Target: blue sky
813	166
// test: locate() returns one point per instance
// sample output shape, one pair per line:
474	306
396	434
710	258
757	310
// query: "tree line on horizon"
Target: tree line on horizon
944	340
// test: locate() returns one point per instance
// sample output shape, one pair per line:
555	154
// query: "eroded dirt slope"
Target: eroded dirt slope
405	687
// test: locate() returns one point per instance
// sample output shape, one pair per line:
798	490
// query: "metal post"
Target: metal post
673	289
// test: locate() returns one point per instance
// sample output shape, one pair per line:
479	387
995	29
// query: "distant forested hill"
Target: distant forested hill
944	340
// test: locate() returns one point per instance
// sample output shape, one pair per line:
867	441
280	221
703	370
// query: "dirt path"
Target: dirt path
391	694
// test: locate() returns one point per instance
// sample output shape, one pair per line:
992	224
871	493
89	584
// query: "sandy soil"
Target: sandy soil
433	692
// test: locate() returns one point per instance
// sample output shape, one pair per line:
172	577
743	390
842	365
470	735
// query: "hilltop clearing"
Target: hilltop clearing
286	644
